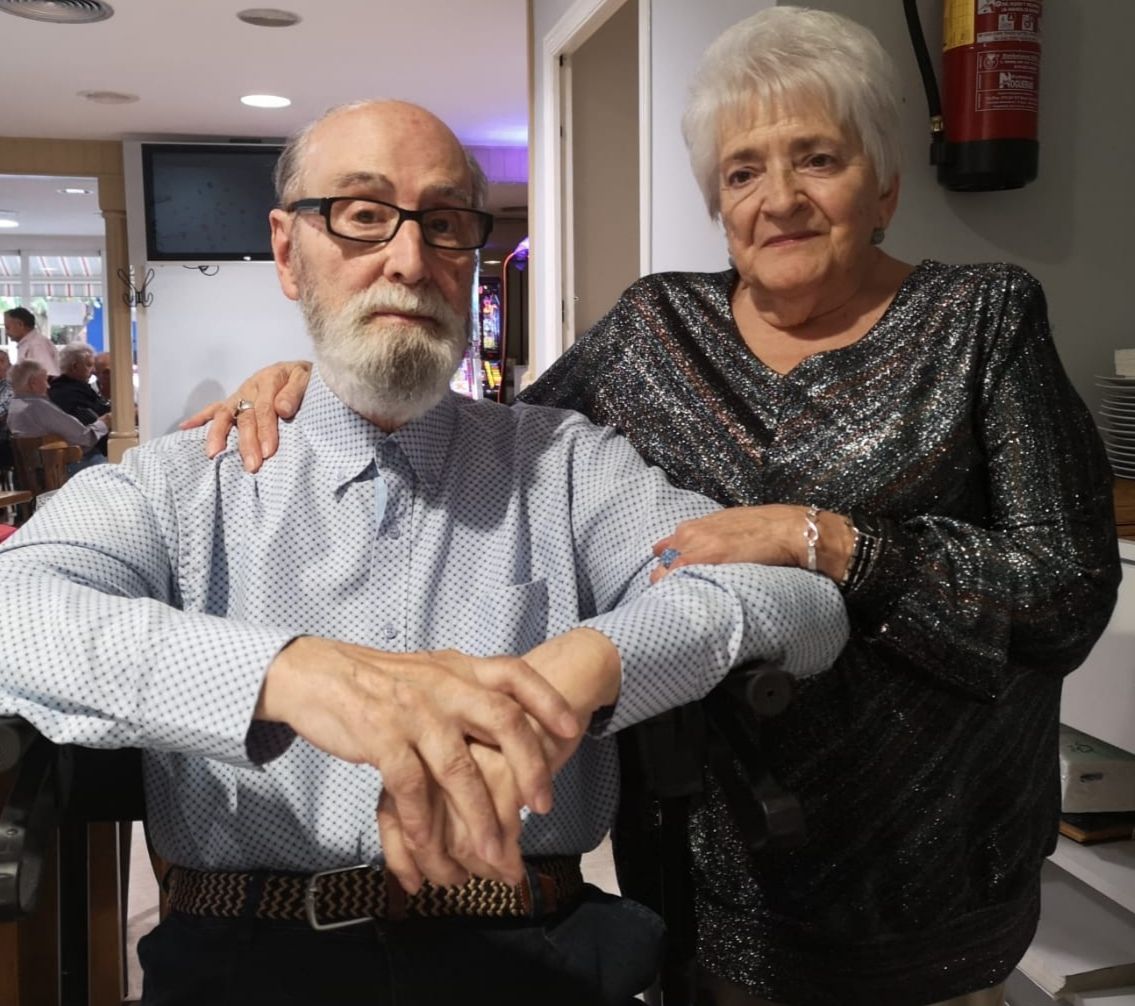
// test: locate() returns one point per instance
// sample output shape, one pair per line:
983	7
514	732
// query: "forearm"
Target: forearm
680	638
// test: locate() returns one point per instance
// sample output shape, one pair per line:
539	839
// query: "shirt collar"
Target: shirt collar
350	443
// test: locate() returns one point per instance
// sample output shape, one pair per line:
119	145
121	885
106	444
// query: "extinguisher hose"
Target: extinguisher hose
929	81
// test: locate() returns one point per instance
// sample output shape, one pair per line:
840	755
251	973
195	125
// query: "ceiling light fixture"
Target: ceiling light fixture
75	192
6	219
109	97
268	17
265	101
59	11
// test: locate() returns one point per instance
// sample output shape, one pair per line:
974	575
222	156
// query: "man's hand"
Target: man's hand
276	393
413	716
583	666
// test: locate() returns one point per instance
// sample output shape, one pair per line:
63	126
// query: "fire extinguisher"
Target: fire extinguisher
985	136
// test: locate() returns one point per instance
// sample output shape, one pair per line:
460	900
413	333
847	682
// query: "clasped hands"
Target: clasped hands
463	743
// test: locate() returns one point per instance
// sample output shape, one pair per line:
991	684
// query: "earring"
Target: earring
877	236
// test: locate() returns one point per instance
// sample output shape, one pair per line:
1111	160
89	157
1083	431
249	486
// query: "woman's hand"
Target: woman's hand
276	393
773	534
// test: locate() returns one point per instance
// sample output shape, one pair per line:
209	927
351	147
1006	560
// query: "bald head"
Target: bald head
375	112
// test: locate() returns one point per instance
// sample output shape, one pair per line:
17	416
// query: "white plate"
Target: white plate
1119	411
1124	455
1123	401
1127	471
1115	379
1124	438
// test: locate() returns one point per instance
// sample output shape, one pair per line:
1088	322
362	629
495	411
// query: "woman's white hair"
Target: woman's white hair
787	58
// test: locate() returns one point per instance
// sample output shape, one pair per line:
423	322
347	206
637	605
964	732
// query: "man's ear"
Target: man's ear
281	223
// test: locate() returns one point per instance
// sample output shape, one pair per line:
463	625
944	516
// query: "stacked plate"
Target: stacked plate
1117	423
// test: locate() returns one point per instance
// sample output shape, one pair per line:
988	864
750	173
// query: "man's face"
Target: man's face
14	328
390	317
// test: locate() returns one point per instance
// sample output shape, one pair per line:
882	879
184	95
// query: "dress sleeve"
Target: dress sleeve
1031	587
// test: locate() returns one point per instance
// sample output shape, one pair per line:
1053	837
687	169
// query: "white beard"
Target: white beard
390	371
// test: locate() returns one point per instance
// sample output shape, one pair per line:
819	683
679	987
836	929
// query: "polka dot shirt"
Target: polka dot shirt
153	595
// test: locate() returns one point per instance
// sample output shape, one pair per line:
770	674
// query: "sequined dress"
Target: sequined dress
926	759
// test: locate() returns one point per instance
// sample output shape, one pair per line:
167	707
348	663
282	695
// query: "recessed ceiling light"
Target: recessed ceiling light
109	97
75	192
268	17
9	223
265	101
492	261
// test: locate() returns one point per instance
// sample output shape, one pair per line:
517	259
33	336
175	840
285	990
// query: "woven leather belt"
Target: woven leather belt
335	898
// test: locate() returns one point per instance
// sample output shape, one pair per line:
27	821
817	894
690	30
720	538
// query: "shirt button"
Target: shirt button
389	631
394	533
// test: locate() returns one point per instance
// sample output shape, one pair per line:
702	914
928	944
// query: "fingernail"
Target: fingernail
264	447
543	802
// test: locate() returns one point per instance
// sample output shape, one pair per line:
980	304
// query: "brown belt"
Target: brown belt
335	898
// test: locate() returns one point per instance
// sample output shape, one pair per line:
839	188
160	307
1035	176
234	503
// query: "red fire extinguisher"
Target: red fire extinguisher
984	135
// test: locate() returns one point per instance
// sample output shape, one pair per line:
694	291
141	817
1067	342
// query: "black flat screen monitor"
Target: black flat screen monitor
208	201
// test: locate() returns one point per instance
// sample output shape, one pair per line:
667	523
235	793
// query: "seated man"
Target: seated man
72	390
32	414
339	633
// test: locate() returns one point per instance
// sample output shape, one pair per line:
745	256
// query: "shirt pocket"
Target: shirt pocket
513	617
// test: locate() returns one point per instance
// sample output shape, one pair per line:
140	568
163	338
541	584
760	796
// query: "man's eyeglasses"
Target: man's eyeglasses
375	222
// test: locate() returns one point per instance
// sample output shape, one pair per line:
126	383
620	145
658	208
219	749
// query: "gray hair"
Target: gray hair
21	374
290	162
788	56
72	353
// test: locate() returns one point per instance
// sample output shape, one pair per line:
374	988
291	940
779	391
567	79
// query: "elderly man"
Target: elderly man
32	414
340	631
31	344
102	374
72	390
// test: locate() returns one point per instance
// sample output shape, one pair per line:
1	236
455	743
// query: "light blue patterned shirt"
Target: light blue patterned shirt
154	594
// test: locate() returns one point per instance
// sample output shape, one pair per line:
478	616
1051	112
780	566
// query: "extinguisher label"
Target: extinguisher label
1008	21
1007	81
957	24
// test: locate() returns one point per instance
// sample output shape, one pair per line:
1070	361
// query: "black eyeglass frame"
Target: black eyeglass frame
322	205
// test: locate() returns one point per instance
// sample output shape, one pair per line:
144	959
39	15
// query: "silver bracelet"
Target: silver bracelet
811	534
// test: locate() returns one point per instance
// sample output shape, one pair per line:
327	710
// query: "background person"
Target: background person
31	344
102	374
963	506
32	414
72	390
295	647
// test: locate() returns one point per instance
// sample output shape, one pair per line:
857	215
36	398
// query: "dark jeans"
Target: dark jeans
600	953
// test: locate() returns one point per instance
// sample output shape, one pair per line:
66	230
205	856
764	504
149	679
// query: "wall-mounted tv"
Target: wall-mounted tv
208	201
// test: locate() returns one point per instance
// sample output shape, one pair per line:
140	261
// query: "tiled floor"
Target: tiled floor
142	904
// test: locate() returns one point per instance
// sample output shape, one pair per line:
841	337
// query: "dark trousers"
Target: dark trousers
600	953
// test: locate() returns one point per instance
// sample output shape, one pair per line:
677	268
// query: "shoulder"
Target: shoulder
979	279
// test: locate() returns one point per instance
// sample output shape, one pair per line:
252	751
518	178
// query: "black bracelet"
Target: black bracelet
865	550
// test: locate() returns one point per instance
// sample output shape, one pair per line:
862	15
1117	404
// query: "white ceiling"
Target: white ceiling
189	61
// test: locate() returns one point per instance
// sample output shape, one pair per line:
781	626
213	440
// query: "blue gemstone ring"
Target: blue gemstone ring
668	556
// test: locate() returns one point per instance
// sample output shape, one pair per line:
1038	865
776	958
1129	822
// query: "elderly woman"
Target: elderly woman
907	431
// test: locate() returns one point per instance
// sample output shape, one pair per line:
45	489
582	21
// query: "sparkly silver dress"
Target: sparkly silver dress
926	759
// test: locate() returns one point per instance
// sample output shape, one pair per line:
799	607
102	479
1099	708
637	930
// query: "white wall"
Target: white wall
1073	227
201	335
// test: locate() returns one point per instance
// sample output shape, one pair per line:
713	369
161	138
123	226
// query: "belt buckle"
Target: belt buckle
309	896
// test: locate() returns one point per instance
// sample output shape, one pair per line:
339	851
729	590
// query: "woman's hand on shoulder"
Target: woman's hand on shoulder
774	534
275	393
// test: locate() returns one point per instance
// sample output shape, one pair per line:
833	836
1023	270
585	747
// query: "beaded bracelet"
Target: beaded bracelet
865	549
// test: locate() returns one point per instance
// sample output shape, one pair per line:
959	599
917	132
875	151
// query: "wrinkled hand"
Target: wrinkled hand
413	717
584	667
276	392
772	534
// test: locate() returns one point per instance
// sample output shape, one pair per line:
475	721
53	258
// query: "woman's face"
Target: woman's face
799	200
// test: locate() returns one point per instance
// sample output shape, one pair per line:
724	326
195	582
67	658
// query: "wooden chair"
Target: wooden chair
41	465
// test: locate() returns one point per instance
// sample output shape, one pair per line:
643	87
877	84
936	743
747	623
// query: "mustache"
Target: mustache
392	297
